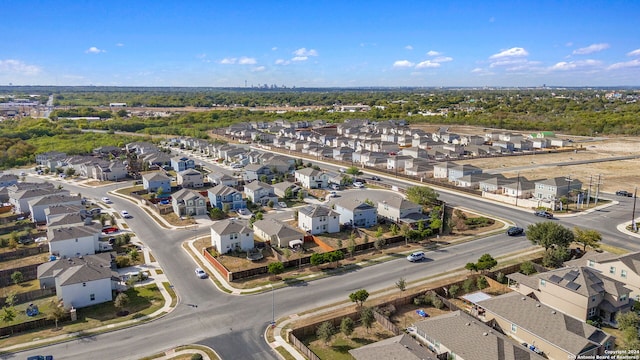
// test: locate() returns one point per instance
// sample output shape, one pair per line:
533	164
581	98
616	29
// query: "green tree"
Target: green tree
334	256
527	268
346	326
378	244
56	312
134	255
628	323
121	301
8	314
401	284
325	331
353	171
379	231
587	237
366	317
17	277
481	283
554	258
422	195
393	229
454	290
471	266
486	262
217	214
339	243
275	268
351	247
406	232
359	297
549	234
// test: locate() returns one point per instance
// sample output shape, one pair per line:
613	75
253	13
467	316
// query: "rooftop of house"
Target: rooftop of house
353	204
316	211
401	347
231	226
273	227
52	268
309	172
74	232
186	194
222	190
155	176
398	202
256	185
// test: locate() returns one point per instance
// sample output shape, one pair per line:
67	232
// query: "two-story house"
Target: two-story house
37	206
555	188
624	268
74	241
311	178
181	163
156	180
318	219
219	177
226	198
190	178
260	193
231	235
395	208
188	202
7	179
356	213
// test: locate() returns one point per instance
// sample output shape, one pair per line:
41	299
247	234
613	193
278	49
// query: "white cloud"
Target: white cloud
635	52
300	58
427	64
274	48
508	62
591	49
477	70
441	59
513	52
228	61
12	66
569	44
94	50
573	65
119	44
258	69
403	63
303	52
247	61
623	65
409	47
282	62
433	53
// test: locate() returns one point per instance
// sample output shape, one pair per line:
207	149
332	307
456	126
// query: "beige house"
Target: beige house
578	291
624	268
557	335
190	178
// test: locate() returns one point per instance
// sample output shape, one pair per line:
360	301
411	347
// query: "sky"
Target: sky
320	43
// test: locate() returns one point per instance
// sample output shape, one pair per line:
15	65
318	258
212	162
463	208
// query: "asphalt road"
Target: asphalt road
234	325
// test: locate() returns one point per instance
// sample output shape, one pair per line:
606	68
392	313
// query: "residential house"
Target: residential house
356	213
68	220
493	184
156	180
578	291
257	172
394	208
559	336
188	202
555	188
38	205
190	178
20	198
260	193
318	219
224	197
8	179
74	240
231	235
50	158
521	188
624	268
397	161
415	152
53	212
156	159
181	163
277	233
457	171
80	281
472	181
221	178
311	178
402	347
458	335
286	189
106	171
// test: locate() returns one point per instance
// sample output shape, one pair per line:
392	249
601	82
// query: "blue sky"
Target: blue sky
320	43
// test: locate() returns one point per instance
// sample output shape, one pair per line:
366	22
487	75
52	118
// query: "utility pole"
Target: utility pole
597	191
634	225
589	191
517	188
273	307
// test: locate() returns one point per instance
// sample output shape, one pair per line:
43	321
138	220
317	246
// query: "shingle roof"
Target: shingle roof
401	347
255	185
155	176
222	190
309	172
469	338
67	219
186	194
544	322
316	211
398	202
273	227
55	199
353	204
583	280
189	172
230	226
73	232
53	268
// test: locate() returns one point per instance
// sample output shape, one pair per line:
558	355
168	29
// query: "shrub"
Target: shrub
468	285
481	283
527	268
437	303
501	278
196	357
122	261
453	291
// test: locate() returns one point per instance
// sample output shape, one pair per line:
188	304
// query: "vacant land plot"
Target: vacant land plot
339	345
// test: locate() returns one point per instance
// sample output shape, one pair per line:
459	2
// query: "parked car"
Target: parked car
358	185
109	230
201	273
282	204
244	212
125	214
334	187
416	256
544	214
376	178
333	194
40	357
624	193
515	231
106	200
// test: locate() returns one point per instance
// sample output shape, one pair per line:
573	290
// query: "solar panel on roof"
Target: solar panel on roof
570	276
573	286
555	278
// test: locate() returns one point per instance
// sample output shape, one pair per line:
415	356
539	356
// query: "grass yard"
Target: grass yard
24	261
339	346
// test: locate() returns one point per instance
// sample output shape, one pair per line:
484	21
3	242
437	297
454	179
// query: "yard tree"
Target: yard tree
351	247
121	301
628	324
275	268
339	243
555	257
353	171
406	232
134	255
422	195
316	259
401	284
379	231
325	331
17	277
549	234
393	229
453	291
346	326
527	268
216	214
359	297
56	312
10	300
334	256
471	266
587	237
486	262
8	314
367	318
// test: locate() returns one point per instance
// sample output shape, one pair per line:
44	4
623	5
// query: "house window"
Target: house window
623	297
623	273
543	282
612	270
233	236
92	297
592	312
84	284
514	328
593	298
591	263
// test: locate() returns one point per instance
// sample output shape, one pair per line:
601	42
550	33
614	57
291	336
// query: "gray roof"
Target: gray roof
583	280
353	204
544	322
67	219
74	232
63	209
222	190
53	268
283	186
560	181
316	211
273	227
186	194
189	172
55	199
231	226
631	260
398	202
36	192
309	171
155	176
401	347
256	185
470	338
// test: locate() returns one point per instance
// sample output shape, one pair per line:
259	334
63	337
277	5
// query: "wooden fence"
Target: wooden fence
29	296
30	325
29	272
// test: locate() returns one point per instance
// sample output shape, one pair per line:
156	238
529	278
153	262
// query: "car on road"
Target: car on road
358	185
22	173
333	194
376	178
343	170
40	357
282	204
125	214
515	231
624	193
106	200
243	211
416	256
544	214
201	273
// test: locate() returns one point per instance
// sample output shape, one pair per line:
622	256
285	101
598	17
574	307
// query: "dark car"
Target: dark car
544	214
624	193
515	231
375	178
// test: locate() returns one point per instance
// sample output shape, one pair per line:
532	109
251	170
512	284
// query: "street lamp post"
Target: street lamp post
634	225
273	307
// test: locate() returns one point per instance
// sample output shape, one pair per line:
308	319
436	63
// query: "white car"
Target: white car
416	256
358	185
201	273
106	200
282	204
244	212
125	214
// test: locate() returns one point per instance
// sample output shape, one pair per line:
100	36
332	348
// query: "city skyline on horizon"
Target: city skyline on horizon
322	44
